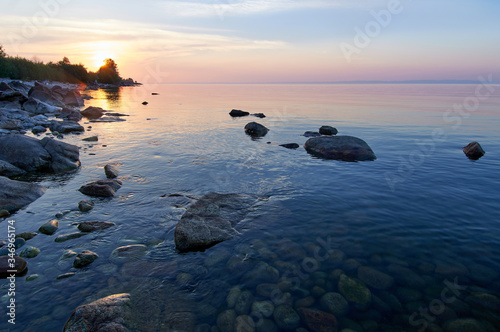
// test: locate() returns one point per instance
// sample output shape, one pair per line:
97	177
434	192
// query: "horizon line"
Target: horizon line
349	82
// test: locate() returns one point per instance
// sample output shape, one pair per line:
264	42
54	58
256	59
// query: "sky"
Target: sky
257	41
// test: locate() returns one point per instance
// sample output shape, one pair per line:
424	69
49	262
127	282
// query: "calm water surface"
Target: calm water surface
421	213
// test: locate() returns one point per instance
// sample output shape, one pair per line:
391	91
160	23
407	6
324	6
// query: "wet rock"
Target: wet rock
4	214
266	325
16	194
26	235
345	148
85	205
212	219
467	325
32	277
473	151
262	309
244	303
261	273
90	226
19	242
106	314
286	318
375	279
311	134
290	145
101	188
73	98
259	115
355	292
238	113
485	301
92	112
50	227
145	103
20	265
406	276
65	275
29	252
9	170
318	321
255	129
43	93
125	253
70	114
84	258
111	171
216	257
335	303
35	106
244	323
64	157
328	130
67	237
65	127
91	139
226	321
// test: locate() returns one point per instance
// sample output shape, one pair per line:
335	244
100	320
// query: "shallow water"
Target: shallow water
422	212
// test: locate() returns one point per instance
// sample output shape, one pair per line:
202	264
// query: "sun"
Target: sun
100	56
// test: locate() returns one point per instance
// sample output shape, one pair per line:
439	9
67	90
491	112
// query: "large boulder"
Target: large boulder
473	151
35	106
24	152
33	155
212	219
238	113
16	194
9	170
73	98
346	148
46	95
255	129
70	114
64	157
105	314
19	86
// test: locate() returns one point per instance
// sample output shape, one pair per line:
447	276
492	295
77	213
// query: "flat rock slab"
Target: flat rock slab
345	148
101	188
105	314
90	226
212	219
16	194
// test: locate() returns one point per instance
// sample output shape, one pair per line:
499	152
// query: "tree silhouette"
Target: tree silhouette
2	52
108	73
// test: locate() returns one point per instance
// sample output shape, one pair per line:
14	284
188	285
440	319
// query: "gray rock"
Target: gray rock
244	323
318	321
27	235
255	129
290	145
92	112
20	265
106	314
38	129
65	275
262	309
212	219
473	151
85	205
335	303
19	242
125	253
9	170
73	98
45	95
64	157
29	252
374	278
16	194
259	115
346	148
111	171
328	130
36	106
70	114
64	127
238	113
286	318
84	258
24	152
67	237
50	227
90	226
101	188
355	292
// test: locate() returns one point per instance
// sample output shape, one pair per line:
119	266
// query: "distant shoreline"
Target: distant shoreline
444	82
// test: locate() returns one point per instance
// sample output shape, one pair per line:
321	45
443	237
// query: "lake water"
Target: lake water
422	213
